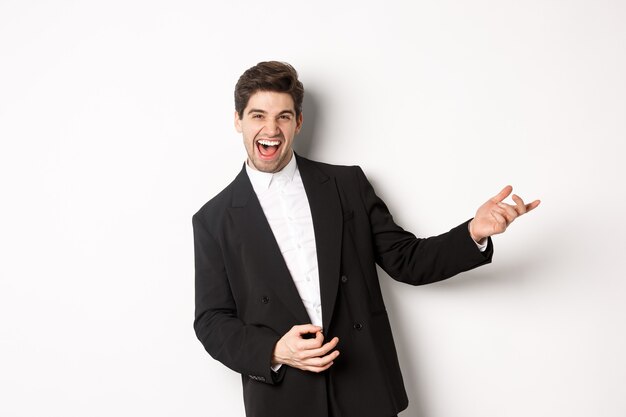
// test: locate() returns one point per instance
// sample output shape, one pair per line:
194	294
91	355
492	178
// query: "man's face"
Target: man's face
269	125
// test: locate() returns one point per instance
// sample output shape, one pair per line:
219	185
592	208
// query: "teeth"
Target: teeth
266	142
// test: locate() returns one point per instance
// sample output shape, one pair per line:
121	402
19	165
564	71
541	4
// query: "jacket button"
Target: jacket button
344	279
265	300
357	326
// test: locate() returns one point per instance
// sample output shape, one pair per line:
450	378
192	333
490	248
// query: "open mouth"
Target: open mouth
267	148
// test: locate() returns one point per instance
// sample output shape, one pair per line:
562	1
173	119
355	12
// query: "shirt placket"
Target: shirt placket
306	280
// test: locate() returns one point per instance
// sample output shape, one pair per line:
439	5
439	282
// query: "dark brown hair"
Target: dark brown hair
269	76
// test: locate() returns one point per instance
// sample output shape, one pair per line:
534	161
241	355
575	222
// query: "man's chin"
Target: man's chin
271	166
266	166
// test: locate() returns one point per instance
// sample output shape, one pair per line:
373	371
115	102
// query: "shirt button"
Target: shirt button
344	279
357	326
308	278
265	299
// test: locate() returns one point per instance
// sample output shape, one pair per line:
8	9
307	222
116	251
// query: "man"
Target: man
286	287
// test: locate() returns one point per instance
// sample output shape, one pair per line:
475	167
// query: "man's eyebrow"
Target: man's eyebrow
264	112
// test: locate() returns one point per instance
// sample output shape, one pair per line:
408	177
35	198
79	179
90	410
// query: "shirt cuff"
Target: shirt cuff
482	246
276	367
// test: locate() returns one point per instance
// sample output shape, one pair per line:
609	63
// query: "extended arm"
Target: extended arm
414	260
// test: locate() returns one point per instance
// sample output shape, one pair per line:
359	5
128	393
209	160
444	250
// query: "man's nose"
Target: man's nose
271	128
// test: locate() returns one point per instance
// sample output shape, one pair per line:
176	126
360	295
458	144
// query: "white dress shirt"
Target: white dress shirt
286	207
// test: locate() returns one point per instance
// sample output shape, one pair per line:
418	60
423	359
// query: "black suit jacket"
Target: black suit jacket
246	299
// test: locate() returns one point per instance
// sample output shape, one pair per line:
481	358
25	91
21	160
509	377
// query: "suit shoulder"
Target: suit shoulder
333	169
216	206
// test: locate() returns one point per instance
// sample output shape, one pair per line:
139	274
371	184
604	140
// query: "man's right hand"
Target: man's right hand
305	354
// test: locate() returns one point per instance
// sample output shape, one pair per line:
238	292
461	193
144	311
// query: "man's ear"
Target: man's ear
299	121
237	122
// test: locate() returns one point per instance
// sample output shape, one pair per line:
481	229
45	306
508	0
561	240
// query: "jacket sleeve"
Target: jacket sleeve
416	261
244	348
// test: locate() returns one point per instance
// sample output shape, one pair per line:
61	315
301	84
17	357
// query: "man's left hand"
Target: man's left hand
495	216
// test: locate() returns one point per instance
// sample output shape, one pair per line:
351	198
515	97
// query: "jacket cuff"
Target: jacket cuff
265	373
468	246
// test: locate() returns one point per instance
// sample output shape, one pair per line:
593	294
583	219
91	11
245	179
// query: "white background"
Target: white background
116	125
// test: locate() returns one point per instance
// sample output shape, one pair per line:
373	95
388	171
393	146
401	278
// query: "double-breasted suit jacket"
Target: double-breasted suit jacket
246	299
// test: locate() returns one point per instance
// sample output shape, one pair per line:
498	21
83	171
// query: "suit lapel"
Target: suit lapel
264	252
327	217
260	245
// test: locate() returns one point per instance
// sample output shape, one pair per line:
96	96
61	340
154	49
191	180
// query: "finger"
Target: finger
525	208
305	328
519	204
320	361
500	221
501	212
306	344
532	206
321	351
502	194
510	213
318	369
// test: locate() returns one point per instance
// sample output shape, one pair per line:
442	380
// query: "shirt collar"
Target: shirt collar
262	180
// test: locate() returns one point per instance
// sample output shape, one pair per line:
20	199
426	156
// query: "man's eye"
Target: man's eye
285	117
257	116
